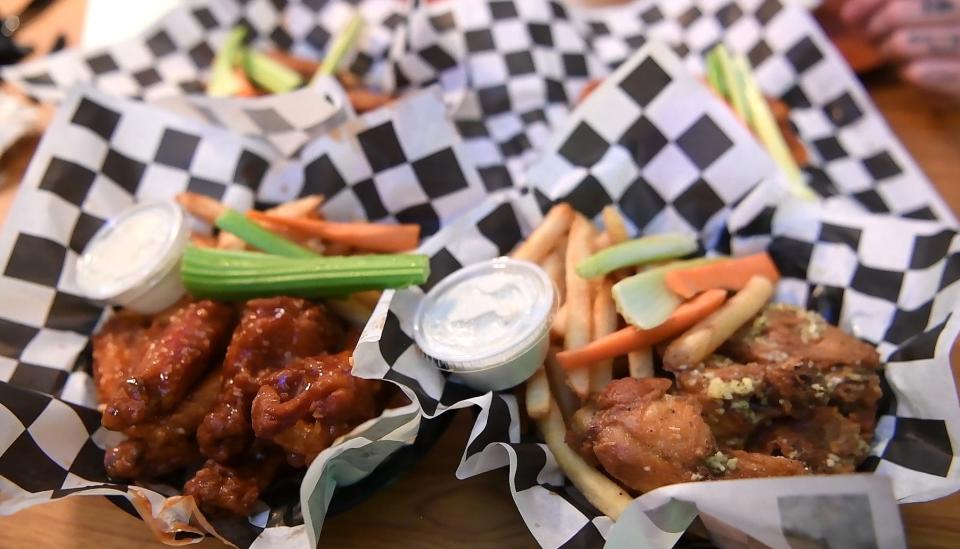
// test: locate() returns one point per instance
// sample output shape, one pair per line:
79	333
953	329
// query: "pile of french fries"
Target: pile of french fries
563	239
588	312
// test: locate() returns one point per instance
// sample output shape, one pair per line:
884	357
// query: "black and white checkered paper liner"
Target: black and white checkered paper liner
170	63
888	280
653	140
173	57
102	154
513	69
854	155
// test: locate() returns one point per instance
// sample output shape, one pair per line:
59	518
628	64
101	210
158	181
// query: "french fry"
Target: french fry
640	363
301	207
579	301
559	327
601	241
604	323
230	241
203	240
564	397
557	221
614	225
202	207
690	348
553	265
538	395
605	494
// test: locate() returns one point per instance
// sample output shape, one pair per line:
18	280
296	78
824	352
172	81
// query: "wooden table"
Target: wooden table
429	507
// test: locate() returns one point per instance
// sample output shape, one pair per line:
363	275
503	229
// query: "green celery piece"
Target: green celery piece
243	228
236	275
715	74
223	82
768	132
644	300
269	74
342	44
733	83
638	251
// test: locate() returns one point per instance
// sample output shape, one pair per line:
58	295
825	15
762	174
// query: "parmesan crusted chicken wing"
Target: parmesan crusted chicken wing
646	438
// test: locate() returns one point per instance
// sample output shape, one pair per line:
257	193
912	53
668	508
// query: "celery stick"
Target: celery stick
637	252
243	275
732	82
269	74
341	45
644	300
223	82
768	131
715	74
237	224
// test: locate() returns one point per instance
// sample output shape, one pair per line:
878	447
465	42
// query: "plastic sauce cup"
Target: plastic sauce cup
488	323
133	260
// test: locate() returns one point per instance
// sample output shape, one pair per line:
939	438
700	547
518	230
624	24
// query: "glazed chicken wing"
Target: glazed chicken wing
272	333
115	348
165	443
235	489
179	347
646	438
310	402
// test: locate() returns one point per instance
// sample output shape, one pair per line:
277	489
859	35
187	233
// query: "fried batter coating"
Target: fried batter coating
180	345
272	333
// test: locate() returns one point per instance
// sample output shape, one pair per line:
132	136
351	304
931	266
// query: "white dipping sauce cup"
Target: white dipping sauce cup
488	323
133	260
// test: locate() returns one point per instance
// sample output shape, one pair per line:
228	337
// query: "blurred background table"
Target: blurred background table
428	507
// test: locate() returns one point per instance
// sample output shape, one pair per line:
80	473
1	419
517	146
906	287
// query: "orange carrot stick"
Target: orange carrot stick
732	274
630	339
246	89
368	236
304	67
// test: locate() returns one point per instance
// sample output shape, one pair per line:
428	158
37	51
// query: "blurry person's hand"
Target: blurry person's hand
922	35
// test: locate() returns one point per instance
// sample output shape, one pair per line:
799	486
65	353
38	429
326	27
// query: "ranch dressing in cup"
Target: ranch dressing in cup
488	323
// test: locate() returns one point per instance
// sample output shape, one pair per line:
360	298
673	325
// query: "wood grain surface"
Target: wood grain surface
428	507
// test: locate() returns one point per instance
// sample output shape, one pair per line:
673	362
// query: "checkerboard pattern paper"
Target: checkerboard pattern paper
286	121
101	155
856	159
654	141
511	69
913	323
173	57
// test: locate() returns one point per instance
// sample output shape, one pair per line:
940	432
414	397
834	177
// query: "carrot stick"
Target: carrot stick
305	67
246	88
368	236
630	338
732	274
